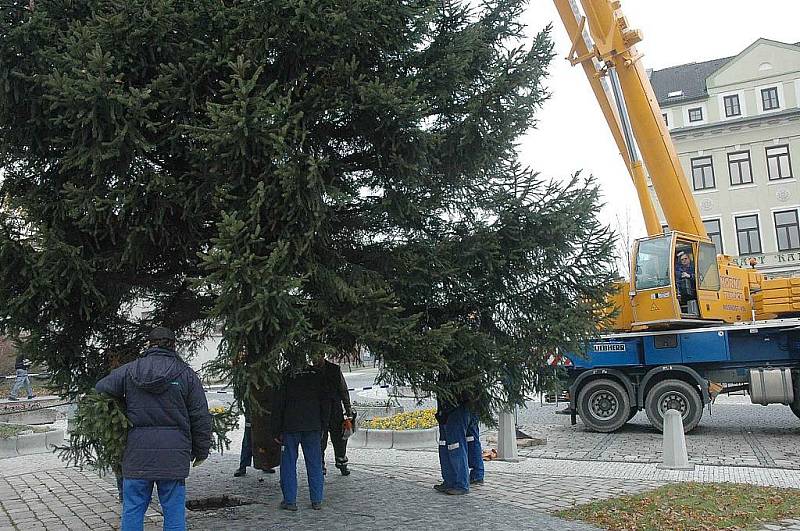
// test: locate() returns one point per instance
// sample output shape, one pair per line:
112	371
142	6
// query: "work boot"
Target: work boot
455	492
31	396
440	487
288	506
316	505
240	472
343	468
12	397
476	482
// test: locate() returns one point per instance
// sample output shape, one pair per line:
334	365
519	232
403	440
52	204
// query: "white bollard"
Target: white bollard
675	456
507	438
72	410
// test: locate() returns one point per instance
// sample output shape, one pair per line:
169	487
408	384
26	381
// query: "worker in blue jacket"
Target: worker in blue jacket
170	426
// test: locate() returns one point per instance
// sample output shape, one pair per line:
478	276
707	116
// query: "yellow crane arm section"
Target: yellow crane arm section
614	47
580	54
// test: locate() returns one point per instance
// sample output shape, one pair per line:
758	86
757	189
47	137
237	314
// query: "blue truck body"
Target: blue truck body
761	357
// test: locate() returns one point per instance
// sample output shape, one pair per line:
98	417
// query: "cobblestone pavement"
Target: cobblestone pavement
388	489
736	434
41	493
38	492
372	497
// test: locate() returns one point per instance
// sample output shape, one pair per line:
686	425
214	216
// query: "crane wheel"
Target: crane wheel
674	394
603	405
795	405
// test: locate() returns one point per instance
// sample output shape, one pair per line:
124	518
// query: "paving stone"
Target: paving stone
392	489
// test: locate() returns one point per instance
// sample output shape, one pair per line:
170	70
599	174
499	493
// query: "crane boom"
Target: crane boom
614	48
705	288
610	106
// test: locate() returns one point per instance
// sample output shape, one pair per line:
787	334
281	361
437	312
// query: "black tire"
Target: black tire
603	405
795	405
674	394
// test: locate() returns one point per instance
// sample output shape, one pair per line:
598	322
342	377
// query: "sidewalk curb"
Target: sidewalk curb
395	439
32	417
31	443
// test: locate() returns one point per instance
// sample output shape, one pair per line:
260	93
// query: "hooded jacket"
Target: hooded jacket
167	408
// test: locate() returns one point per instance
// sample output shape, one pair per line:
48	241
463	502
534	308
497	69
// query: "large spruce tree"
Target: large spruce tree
310	175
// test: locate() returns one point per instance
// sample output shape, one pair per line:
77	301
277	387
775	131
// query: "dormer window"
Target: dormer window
675	94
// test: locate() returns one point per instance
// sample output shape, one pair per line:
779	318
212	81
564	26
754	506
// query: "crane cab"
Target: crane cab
679	280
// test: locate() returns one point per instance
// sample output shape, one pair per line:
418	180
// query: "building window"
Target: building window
787	230
732	107
666	119
779	166
739	168
747	234
714	232
769	98
703	173
696	114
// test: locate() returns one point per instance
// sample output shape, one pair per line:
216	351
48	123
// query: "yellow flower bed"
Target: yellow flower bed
410	420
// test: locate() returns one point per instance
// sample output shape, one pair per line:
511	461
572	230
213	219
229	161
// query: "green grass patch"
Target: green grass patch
10	430
691	506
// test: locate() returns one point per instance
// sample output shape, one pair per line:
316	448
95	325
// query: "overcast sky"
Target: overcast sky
572	133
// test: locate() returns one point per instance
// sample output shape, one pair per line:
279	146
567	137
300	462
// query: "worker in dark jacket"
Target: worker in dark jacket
299	413
170	427
338	395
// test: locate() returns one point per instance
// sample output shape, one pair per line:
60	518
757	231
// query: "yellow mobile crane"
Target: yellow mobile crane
657	296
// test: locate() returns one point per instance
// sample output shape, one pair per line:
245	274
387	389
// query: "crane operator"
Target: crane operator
685	277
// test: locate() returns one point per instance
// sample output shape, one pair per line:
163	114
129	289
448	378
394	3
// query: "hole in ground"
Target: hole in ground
215	502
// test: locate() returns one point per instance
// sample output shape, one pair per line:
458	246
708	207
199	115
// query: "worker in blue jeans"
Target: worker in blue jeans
453	423
170	426
23	380
312	455
474	451
137	494
300	410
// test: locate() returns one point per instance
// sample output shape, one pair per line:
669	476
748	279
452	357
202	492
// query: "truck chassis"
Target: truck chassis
623	373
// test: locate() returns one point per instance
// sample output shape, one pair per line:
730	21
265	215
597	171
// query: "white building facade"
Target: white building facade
735	123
